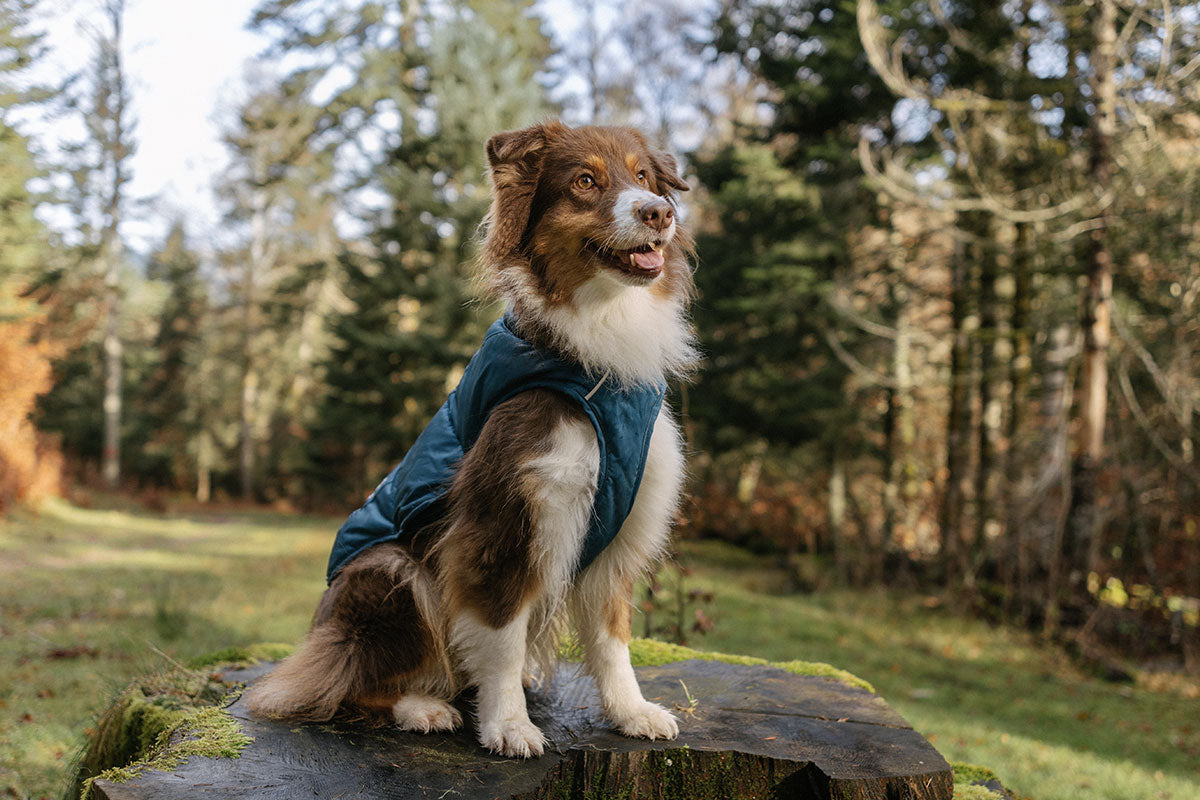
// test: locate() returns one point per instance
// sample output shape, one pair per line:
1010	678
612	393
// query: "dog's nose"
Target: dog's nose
658	214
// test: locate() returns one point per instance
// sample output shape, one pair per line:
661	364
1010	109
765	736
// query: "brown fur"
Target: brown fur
486	558
372	630
537	169
381	628
618	611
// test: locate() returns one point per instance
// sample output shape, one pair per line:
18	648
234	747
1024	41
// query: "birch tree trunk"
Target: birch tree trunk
109	128
256	265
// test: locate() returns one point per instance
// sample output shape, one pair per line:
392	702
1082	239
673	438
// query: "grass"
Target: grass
981	694
90	599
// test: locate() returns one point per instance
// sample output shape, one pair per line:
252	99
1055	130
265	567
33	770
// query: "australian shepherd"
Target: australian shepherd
584	244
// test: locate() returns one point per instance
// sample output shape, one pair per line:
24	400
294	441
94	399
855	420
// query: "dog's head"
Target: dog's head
571	205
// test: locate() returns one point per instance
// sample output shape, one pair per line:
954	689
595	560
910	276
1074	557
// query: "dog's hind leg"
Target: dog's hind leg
601	601
372	637
519	509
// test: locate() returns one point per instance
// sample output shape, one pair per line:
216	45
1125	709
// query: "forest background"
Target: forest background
948	262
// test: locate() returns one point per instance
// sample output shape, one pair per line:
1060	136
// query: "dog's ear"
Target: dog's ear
667	170
515	159
516	148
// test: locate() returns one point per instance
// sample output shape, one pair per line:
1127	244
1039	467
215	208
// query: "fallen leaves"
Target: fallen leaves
66	653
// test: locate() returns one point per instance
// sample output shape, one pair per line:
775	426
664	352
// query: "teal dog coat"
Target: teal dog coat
413	494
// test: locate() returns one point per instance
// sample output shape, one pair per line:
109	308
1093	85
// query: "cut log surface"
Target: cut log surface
745	732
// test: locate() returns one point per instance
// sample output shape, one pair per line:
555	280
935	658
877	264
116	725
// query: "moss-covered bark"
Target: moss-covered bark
649	653
162	720
973	782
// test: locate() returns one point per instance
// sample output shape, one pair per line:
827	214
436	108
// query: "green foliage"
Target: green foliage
764	274
809	51
171	400
23	242
73	408
22	239
412	321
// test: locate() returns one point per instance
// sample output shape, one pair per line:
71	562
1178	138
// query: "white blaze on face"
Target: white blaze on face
627	219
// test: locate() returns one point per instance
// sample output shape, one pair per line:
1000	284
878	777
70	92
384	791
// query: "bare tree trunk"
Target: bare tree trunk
113	357
1039	561
891	488
1091	408
1015	573
989	403
110	112
203	468
899	428
595	45
255	267
950	515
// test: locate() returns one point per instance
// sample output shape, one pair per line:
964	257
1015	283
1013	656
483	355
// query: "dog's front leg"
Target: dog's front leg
494	658
520	506
602	601
605	633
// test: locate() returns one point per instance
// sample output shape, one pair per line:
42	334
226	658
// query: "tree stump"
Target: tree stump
746	731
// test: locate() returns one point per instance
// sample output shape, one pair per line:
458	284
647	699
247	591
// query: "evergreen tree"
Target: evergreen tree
22	240
168	400
789	203
278	192
413	322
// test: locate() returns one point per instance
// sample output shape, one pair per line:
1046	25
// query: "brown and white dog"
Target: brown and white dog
583	243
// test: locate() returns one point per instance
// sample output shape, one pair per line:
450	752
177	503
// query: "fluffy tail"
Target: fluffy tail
312	683
377	633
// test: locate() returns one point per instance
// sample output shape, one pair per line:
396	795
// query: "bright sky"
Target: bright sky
186	60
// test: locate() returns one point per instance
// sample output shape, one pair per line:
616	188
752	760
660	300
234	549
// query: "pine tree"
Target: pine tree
789	204
413	322
169	400
22	240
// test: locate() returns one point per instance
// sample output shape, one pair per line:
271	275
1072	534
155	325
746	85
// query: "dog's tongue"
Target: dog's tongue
651	259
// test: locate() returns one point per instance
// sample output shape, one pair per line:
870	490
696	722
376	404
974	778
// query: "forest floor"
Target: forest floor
91	598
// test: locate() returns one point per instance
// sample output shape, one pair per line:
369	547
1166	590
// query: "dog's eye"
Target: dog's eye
641	176
585	181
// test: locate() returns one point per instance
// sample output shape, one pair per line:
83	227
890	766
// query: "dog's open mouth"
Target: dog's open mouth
644	261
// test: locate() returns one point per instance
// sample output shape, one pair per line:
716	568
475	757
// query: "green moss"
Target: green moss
243	656
966	780
649	653
157	724
970	792
208	732
971	773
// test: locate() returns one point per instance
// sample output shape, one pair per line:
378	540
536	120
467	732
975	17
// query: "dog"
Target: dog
548	482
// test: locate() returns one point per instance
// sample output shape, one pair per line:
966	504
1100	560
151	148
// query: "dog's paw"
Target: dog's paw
422	713
512	737
647	721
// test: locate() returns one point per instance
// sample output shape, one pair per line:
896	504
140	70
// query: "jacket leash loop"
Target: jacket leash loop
596	388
